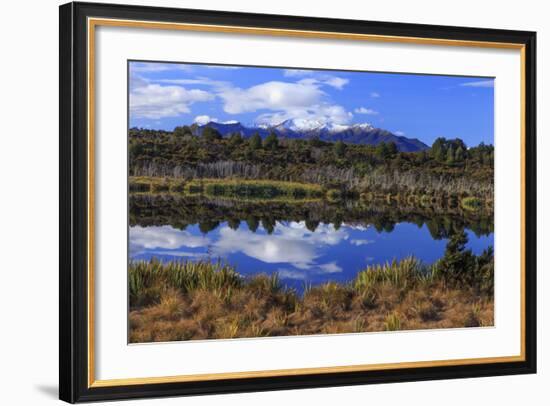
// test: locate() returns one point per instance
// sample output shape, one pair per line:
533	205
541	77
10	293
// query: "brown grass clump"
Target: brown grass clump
176	301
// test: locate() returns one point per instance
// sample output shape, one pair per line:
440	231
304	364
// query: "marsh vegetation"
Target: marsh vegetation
182	300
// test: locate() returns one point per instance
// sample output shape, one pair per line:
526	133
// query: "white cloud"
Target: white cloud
204	119
304	100
332	81
479	83
331	267
154	101
364	110
336	82
270	95
302	274
361	242
164	237
316	77
400	133
137	81
374	95
291	274
290	243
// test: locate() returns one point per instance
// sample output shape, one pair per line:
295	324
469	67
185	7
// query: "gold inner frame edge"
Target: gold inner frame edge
94	22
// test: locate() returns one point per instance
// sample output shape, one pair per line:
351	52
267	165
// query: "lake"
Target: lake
306	245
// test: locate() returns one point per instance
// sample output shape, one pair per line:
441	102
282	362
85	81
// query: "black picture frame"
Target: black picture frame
73	284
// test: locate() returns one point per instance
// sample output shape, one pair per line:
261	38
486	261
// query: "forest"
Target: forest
448	169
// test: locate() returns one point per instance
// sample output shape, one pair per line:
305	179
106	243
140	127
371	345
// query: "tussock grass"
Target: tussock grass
184	300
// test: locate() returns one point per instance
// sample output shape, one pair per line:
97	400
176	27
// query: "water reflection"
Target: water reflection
301	252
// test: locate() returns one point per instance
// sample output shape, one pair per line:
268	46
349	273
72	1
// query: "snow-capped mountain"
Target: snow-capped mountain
306	129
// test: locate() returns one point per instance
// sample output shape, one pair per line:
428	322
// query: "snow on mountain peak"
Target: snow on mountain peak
302	124
307	125
364	126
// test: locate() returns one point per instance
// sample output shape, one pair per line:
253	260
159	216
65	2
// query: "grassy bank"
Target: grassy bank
274	190
198	300
230	188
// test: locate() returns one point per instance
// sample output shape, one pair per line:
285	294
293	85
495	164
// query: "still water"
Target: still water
300	253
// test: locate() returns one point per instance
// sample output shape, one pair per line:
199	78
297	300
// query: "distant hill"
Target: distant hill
364	134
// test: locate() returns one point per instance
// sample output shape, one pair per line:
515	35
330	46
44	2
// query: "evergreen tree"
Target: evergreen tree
450	155
459	154
211	134
233	223
457	261
339	149
235	139
392	149
382	150
181	131
312	225
255	142
271	141
438	149
269	225
252	223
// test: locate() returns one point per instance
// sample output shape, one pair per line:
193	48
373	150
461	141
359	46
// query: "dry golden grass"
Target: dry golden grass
193	301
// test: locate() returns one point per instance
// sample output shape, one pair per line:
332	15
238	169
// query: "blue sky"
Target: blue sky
165	95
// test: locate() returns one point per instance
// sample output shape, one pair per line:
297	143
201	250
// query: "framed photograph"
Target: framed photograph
257	202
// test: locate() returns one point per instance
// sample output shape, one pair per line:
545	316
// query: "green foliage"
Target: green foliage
235	140
392	322
316	142
182	131
459	154
255	142
449	151
460	267
358	168
438	149
182	300
260	189
271	141
382	152
399	274
471	203
450	155
392	149
339	149
210	134
457	258
180	210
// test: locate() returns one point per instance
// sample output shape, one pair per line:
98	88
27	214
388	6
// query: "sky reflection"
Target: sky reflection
299	255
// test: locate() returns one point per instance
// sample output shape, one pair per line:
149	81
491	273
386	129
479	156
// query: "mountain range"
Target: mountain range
364	134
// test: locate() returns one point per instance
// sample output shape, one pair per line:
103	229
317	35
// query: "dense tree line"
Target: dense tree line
448	166
182	211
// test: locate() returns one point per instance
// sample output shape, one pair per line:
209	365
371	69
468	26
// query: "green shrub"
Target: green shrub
471	203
